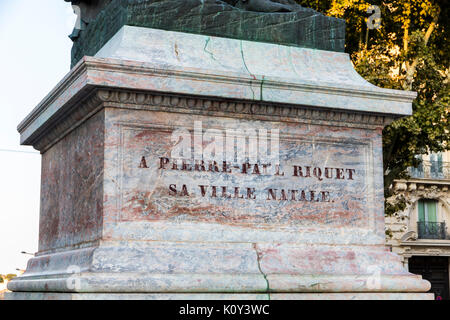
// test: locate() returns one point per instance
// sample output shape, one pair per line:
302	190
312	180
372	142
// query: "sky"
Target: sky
34	57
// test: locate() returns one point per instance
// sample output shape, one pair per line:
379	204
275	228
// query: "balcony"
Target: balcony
435	170
432	230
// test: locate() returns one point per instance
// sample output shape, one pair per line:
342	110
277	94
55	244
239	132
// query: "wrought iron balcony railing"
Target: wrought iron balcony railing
431	170
432	230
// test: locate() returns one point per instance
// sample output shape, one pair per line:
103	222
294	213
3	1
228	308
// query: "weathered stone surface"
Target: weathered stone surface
143	223
218	296
303	28
68	219
162	62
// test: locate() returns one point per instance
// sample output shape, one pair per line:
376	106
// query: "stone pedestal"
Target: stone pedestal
185	166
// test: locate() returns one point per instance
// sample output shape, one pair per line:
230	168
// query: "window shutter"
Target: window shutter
440	163
421	208
431	211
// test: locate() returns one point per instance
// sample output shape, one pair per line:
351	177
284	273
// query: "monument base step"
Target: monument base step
217	296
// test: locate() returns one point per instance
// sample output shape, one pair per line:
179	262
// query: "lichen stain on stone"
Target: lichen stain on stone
176	51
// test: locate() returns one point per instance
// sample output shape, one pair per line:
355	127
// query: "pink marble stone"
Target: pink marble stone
72	188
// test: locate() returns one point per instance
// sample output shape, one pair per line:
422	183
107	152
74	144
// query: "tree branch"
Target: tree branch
411	69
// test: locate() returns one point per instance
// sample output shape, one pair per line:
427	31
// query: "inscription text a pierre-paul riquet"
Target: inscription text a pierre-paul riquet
258	169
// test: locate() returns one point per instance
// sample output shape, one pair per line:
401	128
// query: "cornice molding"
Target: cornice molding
154	101
140	85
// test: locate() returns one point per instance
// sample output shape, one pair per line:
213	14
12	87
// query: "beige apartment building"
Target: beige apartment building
421	233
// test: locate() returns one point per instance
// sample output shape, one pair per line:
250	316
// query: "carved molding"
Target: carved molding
285	112
409	236
413	250
203	106
74	118
414	191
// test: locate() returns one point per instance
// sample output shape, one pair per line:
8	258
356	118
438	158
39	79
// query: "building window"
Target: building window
436	170
428	210
428	225
419	171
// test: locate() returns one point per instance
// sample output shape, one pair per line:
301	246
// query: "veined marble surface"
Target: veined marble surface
283	73
173	62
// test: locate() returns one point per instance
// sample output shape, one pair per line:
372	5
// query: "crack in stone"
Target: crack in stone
251	74
258	258
206	48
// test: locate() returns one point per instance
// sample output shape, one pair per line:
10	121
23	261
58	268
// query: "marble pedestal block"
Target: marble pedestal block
151	188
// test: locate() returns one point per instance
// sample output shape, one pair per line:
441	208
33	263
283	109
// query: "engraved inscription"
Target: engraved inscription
309	182
238	192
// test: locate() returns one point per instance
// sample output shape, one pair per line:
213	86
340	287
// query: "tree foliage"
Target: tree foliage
7	277
10	276
410	51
